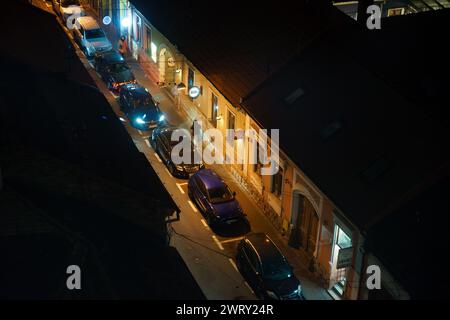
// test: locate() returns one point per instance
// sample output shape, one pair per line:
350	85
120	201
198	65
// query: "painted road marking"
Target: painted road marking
192	206
179	188
233	264
147	143
157	157
204	223
232	240
248	286
217	242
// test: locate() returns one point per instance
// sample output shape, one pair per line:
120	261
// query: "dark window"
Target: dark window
214	109
190	78
231	120
257	166
148	32
277	183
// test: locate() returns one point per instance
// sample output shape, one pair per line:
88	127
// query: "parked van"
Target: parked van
90	37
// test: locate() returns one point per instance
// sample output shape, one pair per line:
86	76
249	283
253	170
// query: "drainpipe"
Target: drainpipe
362	11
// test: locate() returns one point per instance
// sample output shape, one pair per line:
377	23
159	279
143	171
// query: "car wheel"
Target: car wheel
171	169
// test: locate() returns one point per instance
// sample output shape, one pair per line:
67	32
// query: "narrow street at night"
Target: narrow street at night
323	137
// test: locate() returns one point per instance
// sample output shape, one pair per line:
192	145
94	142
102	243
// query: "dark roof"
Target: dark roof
112	56
210	179
266	249
361	140
411	242
137	91
236	44
63	150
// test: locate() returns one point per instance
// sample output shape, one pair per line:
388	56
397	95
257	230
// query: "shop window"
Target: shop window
343	240
138	29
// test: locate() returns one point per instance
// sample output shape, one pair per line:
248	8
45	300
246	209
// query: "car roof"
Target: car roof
210	179
136	90
264	246
111	56
88	22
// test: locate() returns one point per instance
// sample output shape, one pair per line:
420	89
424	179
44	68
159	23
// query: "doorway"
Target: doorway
307	222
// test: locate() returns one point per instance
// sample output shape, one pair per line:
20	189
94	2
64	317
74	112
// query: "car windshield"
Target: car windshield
277	269
118	67
94	33
143	101
66	3
221	194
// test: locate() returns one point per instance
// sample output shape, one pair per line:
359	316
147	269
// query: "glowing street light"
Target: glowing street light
126	22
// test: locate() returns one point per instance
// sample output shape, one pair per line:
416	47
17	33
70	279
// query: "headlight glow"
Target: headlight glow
140	121
162	118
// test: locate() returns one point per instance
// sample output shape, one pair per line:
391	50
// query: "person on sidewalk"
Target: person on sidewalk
123	46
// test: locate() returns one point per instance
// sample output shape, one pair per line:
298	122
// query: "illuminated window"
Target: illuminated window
153	53
396	12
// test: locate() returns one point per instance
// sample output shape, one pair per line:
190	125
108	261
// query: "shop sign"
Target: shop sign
194	92
344	258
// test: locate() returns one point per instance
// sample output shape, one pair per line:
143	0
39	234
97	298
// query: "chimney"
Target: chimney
362	11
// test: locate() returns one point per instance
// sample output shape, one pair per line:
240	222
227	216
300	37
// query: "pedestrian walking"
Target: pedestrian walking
123	46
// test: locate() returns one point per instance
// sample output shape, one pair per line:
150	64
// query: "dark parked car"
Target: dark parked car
266	269
214	198
140	108
113	70
162	143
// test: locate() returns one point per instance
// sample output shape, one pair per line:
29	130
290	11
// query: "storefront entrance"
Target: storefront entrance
306	224
341	259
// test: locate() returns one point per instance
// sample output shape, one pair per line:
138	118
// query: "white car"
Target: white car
90	37
69	8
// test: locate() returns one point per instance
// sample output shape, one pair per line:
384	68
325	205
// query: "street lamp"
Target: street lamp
125	23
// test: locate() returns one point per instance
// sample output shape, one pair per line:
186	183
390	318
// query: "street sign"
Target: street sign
344	258
194	92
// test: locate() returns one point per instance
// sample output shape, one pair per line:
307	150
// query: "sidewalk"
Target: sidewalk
183	116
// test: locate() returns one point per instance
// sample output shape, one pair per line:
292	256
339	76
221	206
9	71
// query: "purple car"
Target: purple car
216	201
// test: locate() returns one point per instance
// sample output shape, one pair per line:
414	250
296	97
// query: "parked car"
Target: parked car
266	269
67	8
140	108
90	37
214	198
113	70
162	143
